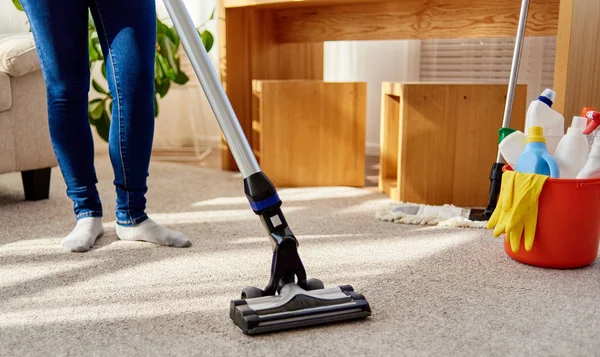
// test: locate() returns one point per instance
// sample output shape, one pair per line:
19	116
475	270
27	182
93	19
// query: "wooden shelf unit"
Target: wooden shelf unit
438	141
310	132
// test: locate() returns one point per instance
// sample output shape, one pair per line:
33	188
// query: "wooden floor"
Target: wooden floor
213	160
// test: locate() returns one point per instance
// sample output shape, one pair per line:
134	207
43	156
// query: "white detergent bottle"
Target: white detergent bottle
573	150
540	113
591	169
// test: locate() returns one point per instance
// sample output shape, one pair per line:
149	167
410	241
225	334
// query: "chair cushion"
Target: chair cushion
18	55
5	96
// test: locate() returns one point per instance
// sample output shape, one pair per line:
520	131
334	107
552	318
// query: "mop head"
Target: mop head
426	215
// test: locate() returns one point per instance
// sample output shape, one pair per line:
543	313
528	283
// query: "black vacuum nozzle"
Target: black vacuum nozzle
296	307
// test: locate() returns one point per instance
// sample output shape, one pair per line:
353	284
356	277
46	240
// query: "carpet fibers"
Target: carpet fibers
433	291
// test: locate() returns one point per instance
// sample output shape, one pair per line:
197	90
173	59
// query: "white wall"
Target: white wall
372	62
11	19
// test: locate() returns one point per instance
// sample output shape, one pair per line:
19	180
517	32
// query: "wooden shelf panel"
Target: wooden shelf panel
312	132
289	3
389	186
413	19
440	140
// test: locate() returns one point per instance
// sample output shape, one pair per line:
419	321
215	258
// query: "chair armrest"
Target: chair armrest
18	55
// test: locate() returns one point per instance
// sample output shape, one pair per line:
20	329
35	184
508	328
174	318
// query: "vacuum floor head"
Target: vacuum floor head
295	307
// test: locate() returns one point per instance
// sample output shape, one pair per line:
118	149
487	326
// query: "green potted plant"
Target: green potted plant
166	72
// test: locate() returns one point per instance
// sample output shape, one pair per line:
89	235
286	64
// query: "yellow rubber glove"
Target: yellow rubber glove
517	210
504	205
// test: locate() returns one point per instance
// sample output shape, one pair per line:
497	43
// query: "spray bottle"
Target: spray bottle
591	169
573	149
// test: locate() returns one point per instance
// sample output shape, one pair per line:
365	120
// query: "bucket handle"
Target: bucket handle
581	184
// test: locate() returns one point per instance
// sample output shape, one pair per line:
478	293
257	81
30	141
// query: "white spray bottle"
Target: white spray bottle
591	169
573	149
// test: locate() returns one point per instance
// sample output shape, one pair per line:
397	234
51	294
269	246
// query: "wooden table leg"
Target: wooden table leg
249	51
577	68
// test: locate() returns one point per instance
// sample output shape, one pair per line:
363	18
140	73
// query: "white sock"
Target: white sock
84	235
150	231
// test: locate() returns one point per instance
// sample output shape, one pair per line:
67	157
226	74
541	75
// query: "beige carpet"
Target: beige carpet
434	291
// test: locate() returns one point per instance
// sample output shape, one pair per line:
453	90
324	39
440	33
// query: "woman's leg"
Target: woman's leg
127	32
60	33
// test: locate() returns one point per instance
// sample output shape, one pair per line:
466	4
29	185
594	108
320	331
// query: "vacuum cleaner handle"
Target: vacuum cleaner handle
209	80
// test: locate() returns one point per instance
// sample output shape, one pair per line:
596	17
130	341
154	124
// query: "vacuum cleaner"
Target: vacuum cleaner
289	300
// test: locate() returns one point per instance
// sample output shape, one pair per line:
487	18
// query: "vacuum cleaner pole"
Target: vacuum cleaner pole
496	173
230	126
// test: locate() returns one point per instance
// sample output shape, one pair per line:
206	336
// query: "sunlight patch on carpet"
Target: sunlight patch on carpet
13	275
208	216
292	195
299	237
109	312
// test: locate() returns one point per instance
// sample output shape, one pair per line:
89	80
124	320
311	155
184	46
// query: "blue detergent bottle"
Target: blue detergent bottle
536	159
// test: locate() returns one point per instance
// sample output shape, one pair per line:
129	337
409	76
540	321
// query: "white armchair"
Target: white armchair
24	138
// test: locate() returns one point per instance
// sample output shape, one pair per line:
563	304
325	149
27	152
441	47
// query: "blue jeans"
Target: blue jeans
127	32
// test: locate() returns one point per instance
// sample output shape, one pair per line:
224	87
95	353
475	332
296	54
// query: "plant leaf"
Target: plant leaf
163	88
102	125
17	4
98	88
207	39
93	54
164	65
159	75
103	69
174	36
96	44
212	14
91	24
181	78
161	28
168	31
96	108
167	50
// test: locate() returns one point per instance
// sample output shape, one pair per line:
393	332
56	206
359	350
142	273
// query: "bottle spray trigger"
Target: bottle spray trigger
594	121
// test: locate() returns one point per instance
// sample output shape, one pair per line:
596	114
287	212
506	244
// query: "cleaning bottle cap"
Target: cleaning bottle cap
593	123
585	110
579	123
536	135
504	132
548	96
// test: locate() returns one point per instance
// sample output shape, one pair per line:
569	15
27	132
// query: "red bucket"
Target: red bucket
568	226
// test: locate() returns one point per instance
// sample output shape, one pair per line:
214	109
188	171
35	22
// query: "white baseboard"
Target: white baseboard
213	141
372	149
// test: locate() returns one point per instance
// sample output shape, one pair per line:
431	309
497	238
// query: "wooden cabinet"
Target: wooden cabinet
310	133
439	141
